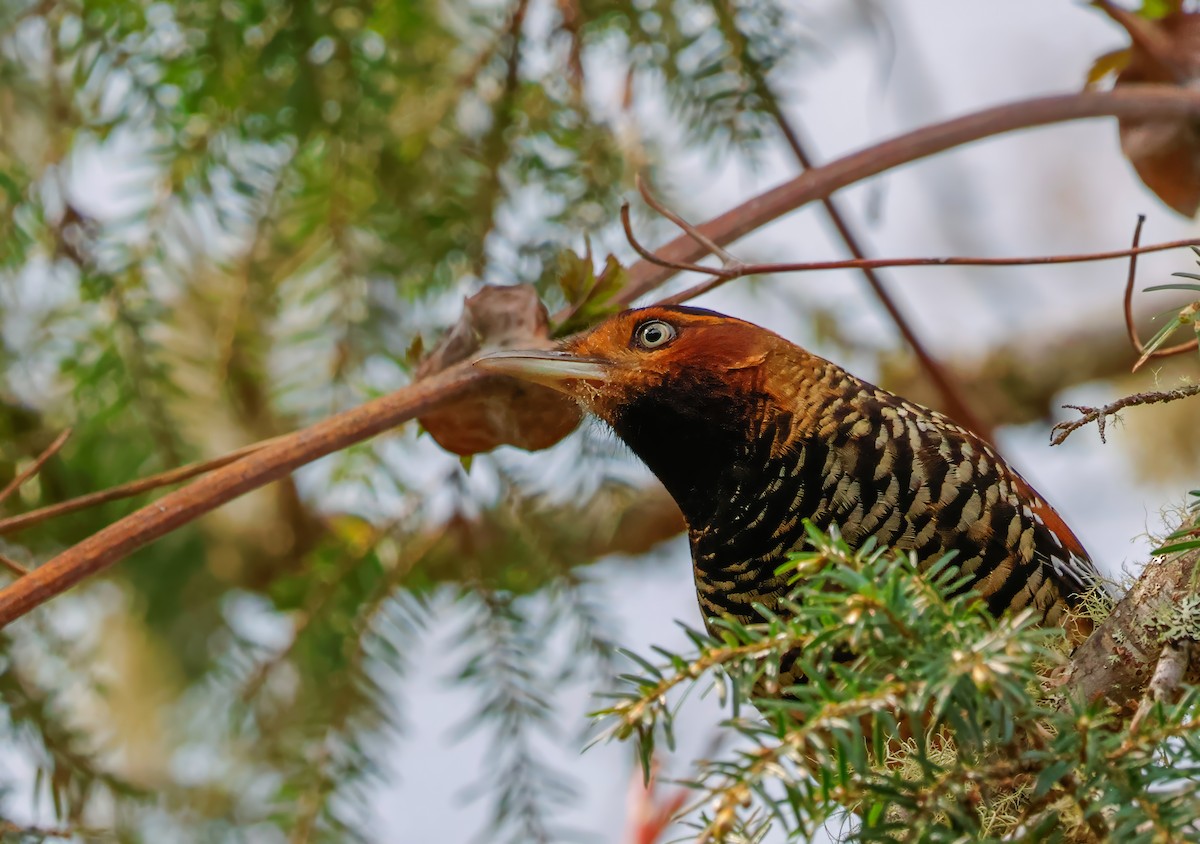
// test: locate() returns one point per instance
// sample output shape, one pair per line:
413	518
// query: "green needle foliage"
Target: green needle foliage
920	718
222	220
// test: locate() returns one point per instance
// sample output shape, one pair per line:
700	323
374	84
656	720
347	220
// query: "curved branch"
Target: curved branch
284	455
1130	102
1130	327
13	524
723	275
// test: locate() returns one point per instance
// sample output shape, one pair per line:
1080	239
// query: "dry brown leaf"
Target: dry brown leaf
499	411
1165	153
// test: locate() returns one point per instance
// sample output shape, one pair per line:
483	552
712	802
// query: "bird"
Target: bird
753	436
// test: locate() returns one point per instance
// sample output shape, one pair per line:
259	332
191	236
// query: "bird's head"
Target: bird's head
689	390
663	355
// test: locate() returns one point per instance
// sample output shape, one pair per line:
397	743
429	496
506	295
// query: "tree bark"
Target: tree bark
1117	661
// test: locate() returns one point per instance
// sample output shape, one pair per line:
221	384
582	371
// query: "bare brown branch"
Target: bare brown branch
36	466
13	566
1131	101
282	456
13	524
1062	430
1130	326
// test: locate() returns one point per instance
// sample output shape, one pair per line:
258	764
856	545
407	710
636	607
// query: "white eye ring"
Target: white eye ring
654	333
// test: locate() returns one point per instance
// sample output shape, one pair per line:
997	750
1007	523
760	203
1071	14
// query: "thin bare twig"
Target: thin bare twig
734	268
1130	102
14	524
281	457
1130	328
1135	341
35	466
13	566
721	275
1062	430
952	396
650	258
730	263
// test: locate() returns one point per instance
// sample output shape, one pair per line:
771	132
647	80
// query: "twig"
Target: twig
1135	341
14	524
729	262
13	566
271	462
36	466
1130	102
1172	666
1062	430
733	268
738	269
650	258
1130	328
955	404
720	275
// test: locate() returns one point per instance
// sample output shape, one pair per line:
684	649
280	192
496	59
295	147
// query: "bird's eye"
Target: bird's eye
655	333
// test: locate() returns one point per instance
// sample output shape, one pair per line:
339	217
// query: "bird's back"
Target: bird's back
877	466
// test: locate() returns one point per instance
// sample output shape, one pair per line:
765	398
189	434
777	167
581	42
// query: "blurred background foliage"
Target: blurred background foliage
225	219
